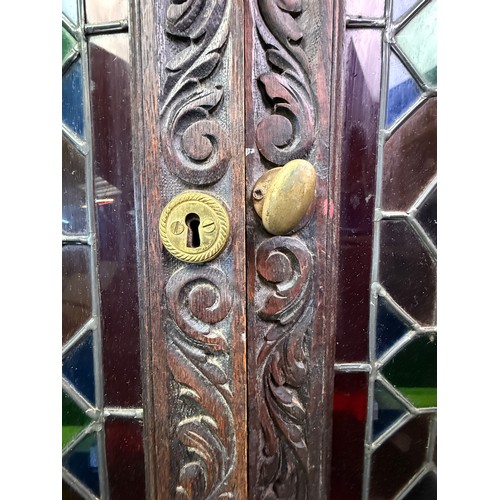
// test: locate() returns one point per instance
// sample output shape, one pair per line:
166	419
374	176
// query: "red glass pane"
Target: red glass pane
125	458
349	419
410	159
362	73
407	270
115	214
399	458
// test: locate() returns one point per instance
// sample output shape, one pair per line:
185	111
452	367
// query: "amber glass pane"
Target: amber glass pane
399	458
349	419
407	270
125	458
102	11
418	41
115	214
413	371
362	86
410	159
74	212
76	296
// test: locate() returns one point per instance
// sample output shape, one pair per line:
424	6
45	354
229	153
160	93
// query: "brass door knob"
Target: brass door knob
283	196
194	227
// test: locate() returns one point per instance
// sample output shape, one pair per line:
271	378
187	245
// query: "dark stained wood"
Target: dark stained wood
190	136
291	111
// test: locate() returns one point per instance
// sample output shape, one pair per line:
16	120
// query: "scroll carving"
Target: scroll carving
285	267
195	143
197	355
288	132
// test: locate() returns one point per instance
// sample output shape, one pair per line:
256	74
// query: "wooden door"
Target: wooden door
237	352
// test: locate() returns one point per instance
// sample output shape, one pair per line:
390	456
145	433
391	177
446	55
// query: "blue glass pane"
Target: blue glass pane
400	7
403	91
78	368
387	409
83	462
70	10
390	327
72	98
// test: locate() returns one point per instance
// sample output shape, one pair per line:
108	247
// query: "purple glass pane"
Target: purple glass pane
407	270
102	11
402	90
410	158
362	73
115	214
427	215
349	419
125	458
76	296
397	460
364	8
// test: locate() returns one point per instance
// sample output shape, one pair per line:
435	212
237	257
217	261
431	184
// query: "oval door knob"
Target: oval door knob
283	196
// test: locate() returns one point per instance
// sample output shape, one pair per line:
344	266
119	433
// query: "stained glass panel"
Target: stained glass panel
400	7
387	410
407	270
364	8
390	326
426	488
68	493
413	371
72	98
68	44
427	215
399	458
78	367
82	461
74	419
410	158
70	10
74	211
403	90
103	11
418	41
76	296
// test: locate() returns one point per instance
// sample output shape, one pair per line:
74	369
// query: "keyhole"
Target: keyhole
193	236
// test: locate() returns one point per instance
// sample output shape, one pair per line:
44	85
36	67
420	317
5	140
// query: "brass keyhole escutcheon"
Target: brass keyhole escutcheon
194	227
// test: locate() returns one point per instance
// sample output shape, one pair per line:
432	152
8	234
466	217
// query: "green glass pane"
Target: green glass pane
74	419
413	371
418	41
68	44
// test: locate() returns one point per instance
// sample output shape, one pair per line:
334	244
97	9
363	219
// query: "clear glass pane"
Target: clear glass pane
102	11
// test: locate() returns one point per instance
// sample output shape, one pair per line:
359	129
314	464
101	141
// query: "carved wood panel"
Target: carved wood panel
289	63
213	77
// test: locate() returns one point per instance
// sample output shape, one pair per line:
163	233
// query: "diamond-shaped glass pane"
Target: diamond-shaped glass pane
74	420
78	367
387	409
83	462
426	488
403	91
418	41
413	371
68	44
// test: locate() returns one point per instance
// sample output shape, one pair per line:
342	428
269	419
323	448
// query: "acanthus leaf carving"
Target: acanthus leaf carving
197	354
285	266
288	132
195	144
